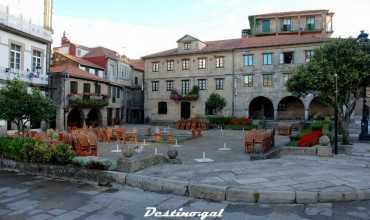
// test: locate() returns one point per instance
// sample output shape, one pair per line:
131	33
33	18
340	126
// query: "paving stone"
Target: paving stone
14	192
42	216
304	197
4	211
174	202
89	208
57	212
361	215
235	194
205	191
330	196
70	215
276	197
325	209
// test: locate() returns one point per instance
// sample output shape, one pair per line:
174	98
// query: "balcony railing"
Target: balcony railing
28	77
88	100
21	24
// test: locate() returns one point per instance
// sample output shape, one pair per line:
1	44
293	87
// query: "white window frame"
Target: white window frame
220	62
248	80
248	60
267	58
220	82
36	61
155	67
202	84
202	63
15	59
170	65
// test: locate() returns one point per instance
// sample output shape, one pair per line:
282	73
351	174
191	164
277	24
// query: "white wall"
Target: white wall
27	46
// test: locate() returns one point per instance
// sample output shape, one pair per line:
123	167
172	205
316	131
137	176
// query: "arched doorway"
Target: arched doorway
185	110
94	118
75	118
261	108
318	109
290	108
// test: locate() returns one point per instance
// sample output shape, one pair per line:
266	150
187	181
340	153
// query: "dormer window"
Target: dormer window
187	46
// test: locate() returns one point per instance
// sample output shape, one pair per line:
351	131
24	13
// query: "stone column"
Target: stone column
306	113
275	114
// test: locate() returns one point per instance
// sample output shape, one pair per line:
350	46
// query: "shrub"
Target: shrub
61	154
215	103
12	148
309	139
240	127
36	153
94	163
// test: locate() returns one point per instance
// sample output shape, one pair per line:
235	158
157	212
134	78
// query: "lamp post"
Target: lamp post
336	116
364	136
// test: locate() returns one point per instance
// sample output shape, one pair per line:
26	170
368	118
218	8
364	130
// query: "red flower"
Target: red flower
310	139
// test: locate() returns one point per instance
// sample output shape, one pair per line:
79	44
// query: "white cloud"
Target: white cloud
221	20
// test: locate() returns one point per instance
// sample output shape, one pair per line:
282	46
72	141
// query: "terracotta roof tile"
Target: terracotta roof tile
74	72
137	64
102	51
244	43
82	61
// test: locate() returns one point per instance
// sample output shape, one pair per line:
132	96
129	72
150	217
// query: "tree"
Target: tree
215	103
347	59
20	106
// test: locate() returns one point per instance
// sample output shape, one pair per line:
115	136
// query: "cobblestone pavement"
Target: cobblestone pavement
209	143
288	173
38	198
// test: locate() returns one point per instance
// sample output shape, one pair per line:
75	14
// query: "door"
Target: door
185	110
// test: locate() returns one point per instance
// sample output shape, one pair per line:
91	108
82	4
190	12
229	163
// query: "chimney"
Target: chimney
246	33
65	40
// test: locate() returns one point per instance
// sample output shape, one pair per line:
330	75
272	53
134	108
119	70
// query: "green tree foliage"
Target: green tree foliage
215	103
347	59
20	106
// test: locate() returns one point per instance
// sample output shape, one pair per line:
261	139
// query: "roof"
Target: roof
137	64
244	43
82	61
74	71
287	13
102	51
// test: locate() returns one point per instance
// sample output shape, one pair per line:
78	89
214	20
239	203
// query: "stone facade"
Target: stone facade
254	68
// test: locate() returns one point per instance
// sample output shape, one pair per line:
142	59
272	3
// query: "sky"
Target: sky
140	27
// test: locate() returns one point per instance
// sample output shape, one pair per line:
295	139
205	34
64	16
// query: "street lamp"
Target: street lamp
336	116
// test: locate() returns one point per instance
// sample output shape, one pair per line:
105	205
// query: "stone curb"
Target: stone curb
185	188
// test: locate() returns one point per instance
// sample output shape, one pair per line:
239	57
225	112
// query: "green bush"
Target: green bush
219	120
12	148
37	153
94	163
61	154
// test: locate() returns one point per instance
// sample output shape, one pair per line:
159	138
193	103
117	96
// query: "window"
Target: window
118	92
86	87
310	23
136	80
267	80
201	63
248	80
97	89
185	86
169	85
155	67
73	87
187	45
308	54
267	58
266	26
109	91
219	62
202	84
185	64
219	84
114	94
287	24
15	57
96	72
286	58
162	108
155	86
36	61
248	60
170	65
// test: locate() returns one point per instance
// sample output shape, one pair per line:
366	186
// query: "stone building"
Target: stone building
250	72
112	81
25	45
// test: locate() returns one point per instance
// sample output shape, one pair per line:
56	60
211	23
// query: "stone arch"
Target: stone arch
94	118
261	108
319	109
291	108
75	118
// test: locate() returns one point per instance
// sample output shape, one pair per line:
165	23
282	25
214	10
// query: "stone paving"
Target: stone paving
38	198
209	143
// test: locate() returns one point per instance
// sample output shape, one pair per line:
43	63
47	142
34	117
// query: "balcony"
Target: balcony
88	100
20	24
25	76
